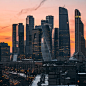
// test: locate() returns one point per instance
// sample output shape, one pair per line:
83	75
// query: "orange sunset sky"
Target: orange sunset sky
10	9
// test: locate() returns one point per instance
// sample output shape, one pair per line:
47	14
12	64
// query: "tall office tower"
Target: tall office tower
14	38
50	20
0	53
29	28
55	43
24	46
46	46
36	41
64	35
79	37
1	78
79	33
85	48
20	40
5	52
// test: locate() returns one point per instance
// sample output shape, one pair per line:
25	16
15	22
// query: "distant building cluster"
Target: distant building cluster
44	42
45	54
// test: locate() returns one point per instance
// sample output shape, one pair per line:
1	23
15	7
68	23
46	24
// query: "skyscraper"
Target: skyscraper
20	40
79	33
29	27
85	48
0	53
46	41
36	43
64	35
50	20
55	43
14	38
1	78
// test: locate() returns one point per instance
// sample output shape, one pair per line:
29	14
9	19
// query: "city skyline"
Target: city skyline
9	15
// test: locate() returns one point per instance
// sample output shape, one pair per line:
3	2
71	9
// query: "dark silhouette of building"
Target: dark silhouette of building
20	40
85	48
79	33
0	53
29	27
5	52
46	43
14	38
36	43
64	35
50	20
55	43
1	79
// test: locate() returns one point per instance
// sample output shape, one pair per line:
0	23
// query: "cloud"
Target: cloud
5	26
40	4
24	11
7	37
31	9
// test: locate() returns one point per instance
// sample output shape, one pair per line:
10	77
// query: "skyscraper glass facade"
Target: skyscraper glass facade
20	40
46	41
79	33
36	44
64	35
55	43
14	38
29	27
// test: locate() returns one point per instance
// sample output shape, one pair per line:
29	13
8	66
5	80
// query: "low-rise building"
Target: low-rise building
5	52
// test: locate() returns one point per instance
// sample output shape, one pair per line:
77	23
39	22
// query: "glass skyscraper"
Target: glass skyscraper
79	33
55	43
64	35
36	43
20	41
14	38
50	20
29	27
46	46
